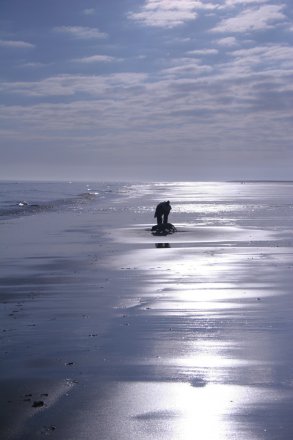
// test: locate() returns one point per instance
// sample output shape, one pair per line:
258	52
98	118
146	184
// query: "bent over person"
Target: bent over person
162	212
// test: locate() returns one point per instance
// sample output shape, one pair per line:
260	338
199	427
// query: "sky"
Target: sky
146	89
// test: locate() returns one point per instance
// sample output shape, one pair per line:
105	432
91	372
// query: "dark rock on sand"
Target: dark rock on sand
163	229
38	404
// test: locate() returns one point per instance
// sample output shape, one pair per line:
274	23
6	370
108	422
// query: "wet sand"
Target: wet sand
123	335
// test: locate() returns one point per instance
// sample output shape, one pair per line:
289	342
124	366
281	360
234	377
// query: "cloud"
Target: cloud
272	54
186	67
70	85
227	41
89	11
233	106
203	52
16	44
255	19
168	13
95	59
243	2
199	119
81	32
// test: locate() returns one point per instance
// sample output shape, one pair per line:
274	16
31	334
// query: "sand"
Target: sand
108	332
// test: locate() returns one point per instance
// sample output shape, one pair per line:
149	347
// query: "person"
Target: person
162	212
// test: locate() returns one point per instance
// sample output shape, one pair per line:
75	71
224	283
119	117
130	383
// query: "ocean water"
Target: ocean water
254	204
27	198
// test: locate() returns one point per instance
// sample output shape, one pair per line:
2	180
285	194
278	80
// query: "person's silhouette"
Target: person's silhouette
162	212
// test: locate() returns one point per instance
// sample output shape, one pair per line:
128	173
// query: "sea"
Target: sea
31	198
257	204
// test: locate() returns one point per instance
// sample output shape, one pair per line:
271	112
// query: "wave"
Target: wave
28	198
23	207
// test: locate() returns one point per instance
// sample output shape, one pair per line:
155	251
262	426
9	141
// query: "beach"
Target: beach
109	332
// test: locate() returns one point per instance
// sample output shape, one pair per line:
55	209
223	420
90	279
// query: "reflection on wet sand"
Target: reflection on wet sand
212	330
180	411
191	341
207	325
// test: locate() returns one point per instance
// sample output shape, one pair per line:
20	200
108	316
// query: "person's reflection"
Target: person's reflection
162	245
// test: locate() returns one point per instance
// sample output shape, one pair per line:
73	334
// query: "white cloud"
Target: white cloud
81	32
243	2
272	54
203	52
69	85
169	13
202	116
195	106
16	44
186	67
95	59
227	41
252	19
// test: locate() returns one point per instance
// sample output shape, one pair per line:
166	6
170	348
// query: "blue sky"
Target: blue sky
146	89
